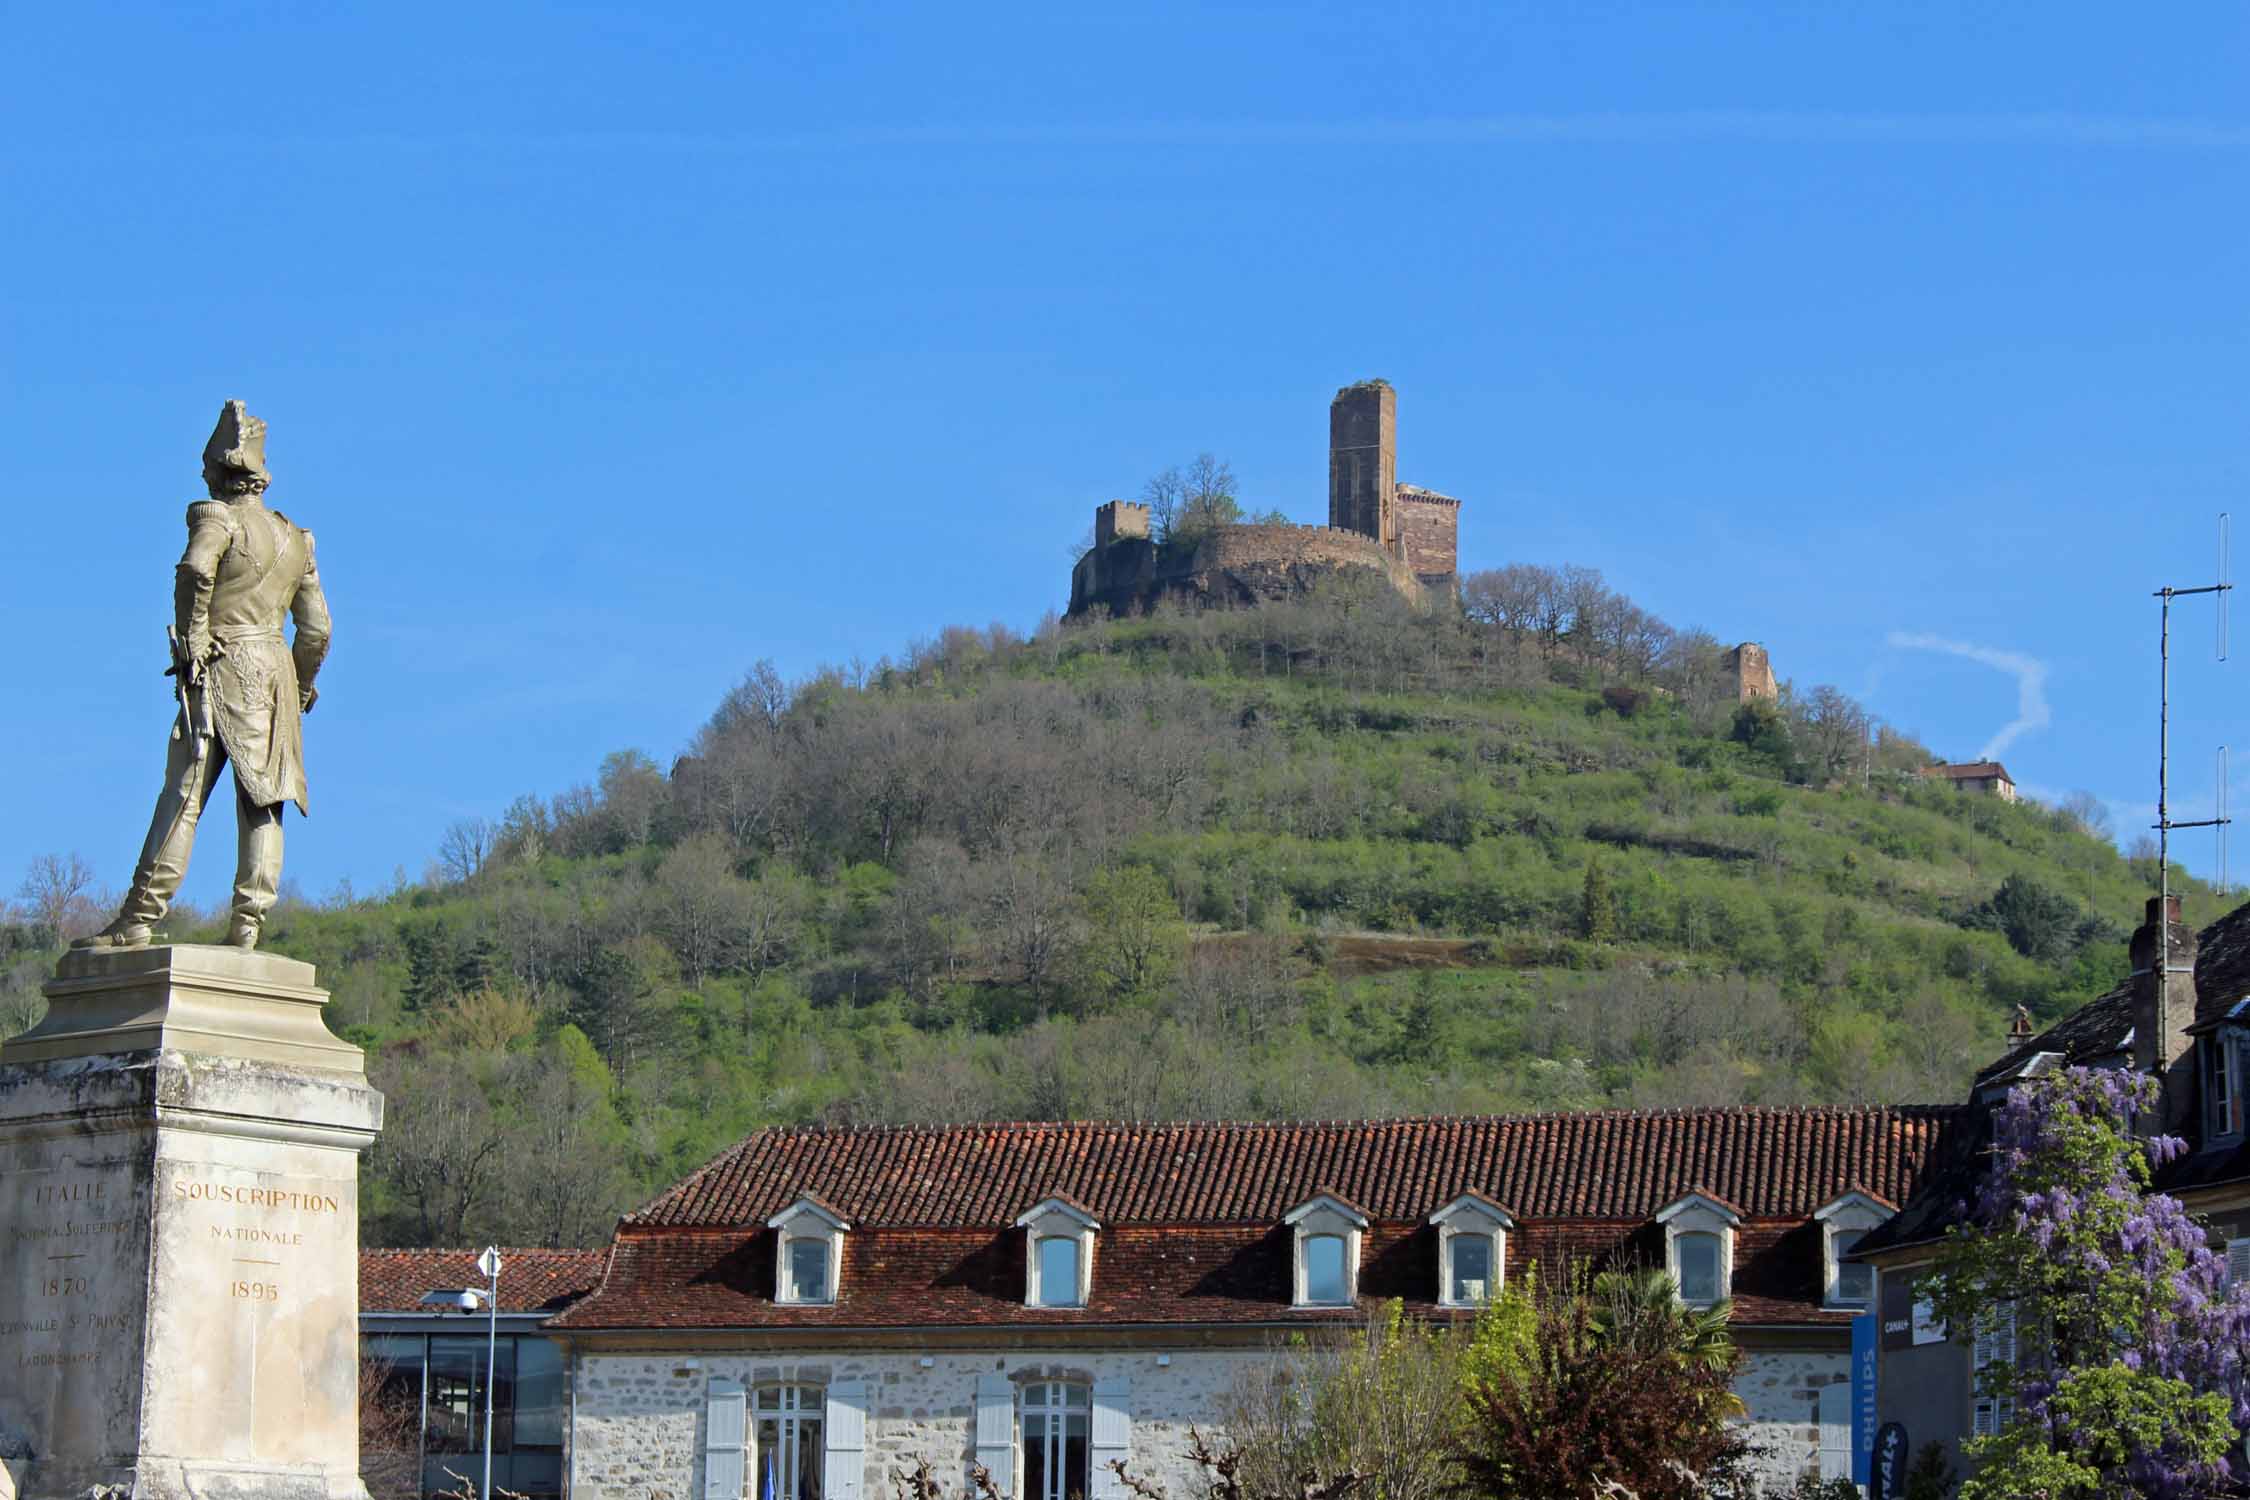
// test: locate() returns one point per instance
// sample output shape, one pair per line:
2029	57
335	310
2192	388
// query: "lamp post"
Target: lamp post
489	1264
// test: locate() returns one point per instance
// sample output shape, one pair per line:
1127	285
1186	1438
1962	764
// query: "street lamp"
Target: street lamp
489	1264
468	1300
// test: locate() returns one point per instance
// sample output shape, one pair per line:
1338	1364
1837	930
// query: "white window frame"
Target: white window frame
1472	1216
1053	1402
1700	1213
1325	1214
1057	1218
1854	1213
789	1405
807	1219
2221	1055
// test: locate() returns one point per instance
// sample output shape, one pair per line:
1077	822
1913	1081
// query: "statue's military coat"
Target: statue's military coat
245	569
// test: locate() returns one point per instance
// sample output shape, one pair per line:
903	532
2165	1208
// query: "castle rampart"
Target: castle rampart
1405	534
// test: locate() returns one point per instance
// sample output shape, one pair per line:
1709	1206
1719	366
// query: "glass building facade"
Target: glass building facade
422	1413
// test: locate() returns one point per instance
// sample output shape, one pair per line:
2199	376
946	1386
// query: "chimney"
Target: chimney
2164	1009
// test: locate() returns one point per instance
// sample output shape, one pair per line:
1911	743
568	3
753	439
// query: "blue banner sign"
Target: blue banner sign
1864	1334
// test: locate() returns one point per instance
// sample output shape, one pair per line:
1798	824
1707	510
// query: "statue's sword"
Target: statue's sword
184	668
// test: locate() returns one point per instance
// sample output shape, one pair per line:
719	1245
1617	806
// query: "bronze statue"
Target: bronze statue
242	691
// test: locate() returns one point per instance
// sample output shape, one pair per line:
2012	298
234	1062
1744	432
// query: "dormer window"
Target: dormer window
1058	1253
1472	1250
1327	1238
1699	1246
808	1252
1848	1283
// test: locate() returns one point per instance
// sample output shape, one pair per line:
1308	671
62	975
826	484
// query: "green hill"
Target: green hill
1324	858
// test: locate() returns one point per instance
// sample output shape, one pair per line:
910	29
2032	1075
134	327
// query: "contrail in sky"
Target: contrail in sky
2029	672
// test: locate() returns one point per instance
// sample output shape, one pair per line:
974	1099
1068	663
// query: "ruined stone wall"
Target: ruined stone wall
1232	566
638	1432
1429	527
1752	671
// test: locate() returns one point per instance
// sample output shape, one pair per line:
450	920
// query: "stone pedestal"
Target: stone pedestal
179	1170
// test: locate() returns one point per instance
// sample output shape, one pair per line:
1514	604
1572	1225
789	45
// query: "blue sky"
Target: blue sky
607	350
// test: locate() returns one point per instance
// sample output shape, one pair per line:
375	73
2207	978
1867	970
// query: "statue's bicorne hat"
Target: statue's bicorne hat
238	442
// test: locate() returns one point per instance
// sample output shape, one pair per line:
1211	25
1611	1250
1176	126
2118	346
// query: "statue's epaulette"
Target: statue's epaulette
211	510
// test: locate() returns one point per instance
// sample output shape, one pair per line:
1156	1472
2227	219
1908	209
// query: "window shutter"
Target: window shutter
1113	1436
2238	1261
726	1433
1836	1432
844	1431
996	1429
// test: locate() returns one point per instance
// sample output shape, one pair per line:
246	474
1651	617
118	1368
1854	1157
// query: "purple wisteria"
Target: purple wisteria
2130	1370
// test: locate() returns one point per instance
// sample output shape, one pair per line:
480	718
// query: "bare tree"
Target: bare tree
757	704
442	1150
466	846
55	894
1184	502
1832	729
390	1429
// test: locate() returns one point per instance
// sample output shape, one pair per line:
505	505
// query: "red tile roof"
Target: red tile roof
1970	770
1605	1164
530	1280
1193	1212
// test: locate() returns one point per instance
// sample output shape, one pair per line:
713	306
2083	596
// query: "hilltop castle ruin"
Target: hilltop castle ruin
1401	533
1404	534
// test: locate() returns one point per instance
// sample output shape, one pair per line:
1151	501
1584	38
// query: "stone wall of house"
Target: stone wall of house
638	1429
1782	1393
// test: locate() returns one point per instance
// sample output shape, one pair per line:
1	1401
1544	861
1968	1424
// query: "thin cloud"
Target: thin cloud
2031	683
1658	128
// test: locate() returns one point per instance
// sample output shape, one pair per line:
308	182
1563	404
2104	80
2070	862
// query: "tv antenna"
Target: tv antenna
2164	820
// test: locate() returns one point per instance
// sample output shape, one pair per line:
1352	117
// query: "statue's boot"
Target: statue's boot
242	933
120	933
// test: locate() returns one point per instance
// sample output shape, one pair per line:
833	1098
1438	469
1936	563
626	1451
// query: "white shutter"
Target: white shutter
2238	1261
1836	1432
844	1465
1994	1343
1113	1436
726	1433
996	1429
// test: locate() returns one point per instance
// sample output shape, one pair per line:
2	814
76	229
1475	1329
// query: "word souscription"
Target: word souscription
273	1200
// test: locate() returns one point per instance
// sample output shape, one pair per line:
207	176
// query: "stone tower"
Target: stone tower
1119	518
1363	461
1752	671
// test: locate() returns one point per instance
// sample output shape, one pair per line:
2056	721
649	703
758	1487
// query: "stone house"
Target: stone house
2185	1020
1988	777
817	1311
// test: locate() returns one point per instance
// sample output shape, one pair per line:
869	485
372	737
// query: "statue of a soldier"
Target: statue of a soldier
242	689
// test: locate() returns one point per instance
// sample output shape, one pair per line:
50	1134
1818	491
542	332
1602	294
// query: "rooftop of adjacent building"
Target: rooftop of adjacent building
1970	770
531	1280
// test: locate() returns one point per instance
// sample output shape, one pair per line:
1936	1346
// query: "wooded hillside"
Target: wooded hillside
1330	858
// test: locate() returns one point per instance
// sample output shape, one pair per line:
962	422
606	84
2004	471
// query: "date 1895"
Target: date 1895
255	1291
